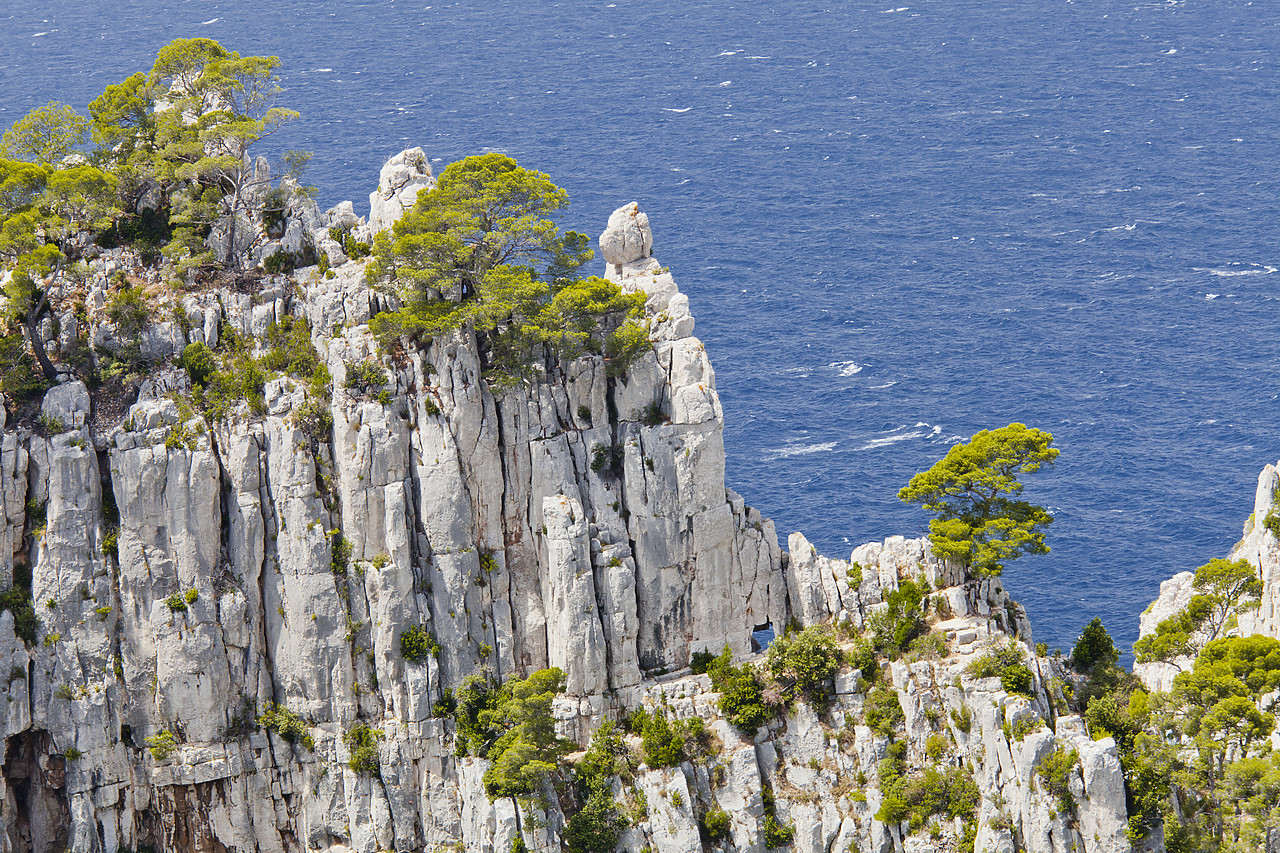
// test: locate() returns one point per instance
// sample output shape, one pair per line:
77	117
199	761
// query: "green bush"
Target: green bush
810	658
1272	522
365	378
237	376
162	745
528	750
314	420
290	350
362	742
111	543
893	628
853	575
18	379
1094	647
287	724
1016	678
607	459
596	826
883	711
339	554
714	825
700	662
417	644
663	744
177	603
741	693
130	313
1055	774
199	362
17	600
652	414
1006	663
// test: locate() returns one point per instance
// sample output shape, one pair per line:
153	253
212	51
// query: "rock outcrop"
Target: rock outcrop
402	178
188	577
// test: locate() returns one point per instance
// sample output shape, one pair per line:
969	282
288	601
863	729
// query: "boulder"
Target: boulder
401	179
627	237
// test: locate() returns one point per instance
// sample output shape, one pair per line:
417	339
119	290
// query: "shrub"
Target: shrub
1006	663
853	575
177	603
417	644
1016	679
652	414
1094	647
810	657
714	825
528	751
315	420
902	620
340	554
111	543
162	745
17	600
199	362
607	459
362	742
446	705
883	711
1272	523
741	693
662	743
130	313
191	595
237	376
50	425
597	825
365	378
287	724
1055	775
700	662
290	349
275	209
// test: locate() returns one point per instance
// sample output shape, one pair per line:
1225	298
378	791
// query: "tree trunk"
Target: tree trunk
32	326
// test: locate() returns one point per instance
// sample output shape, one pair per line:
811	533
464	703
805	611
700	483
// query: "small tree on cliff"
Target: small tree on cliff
481	251
974	490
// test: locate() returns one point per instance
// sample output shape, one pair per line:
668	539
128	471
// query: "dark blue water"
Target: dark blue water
897	224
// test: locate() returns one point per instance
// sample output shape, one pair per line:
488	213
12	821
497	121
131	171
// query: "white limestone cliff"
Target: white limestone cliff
187	576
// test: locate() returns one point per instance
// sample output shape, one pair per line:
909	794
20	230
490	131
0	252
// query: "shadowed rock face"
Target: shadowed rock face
255	562
36	816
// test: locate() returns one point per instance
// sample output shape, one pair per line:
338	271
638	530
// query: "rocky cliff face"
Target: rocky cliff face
187	576
1261	549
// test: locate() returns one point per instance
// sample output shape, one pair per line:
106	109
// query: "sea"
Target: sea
898	223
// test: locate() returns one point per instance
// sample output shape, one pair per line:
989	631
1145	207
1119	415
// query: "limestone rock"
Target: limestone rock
188	573
402	178
628	236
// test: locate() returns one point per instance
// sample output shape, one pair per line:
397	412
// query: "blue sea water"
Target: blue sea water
898	223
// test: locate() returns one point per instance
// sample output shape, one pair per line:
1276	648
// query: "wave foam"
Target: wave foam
903	433
801	449
847	368
1233	270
